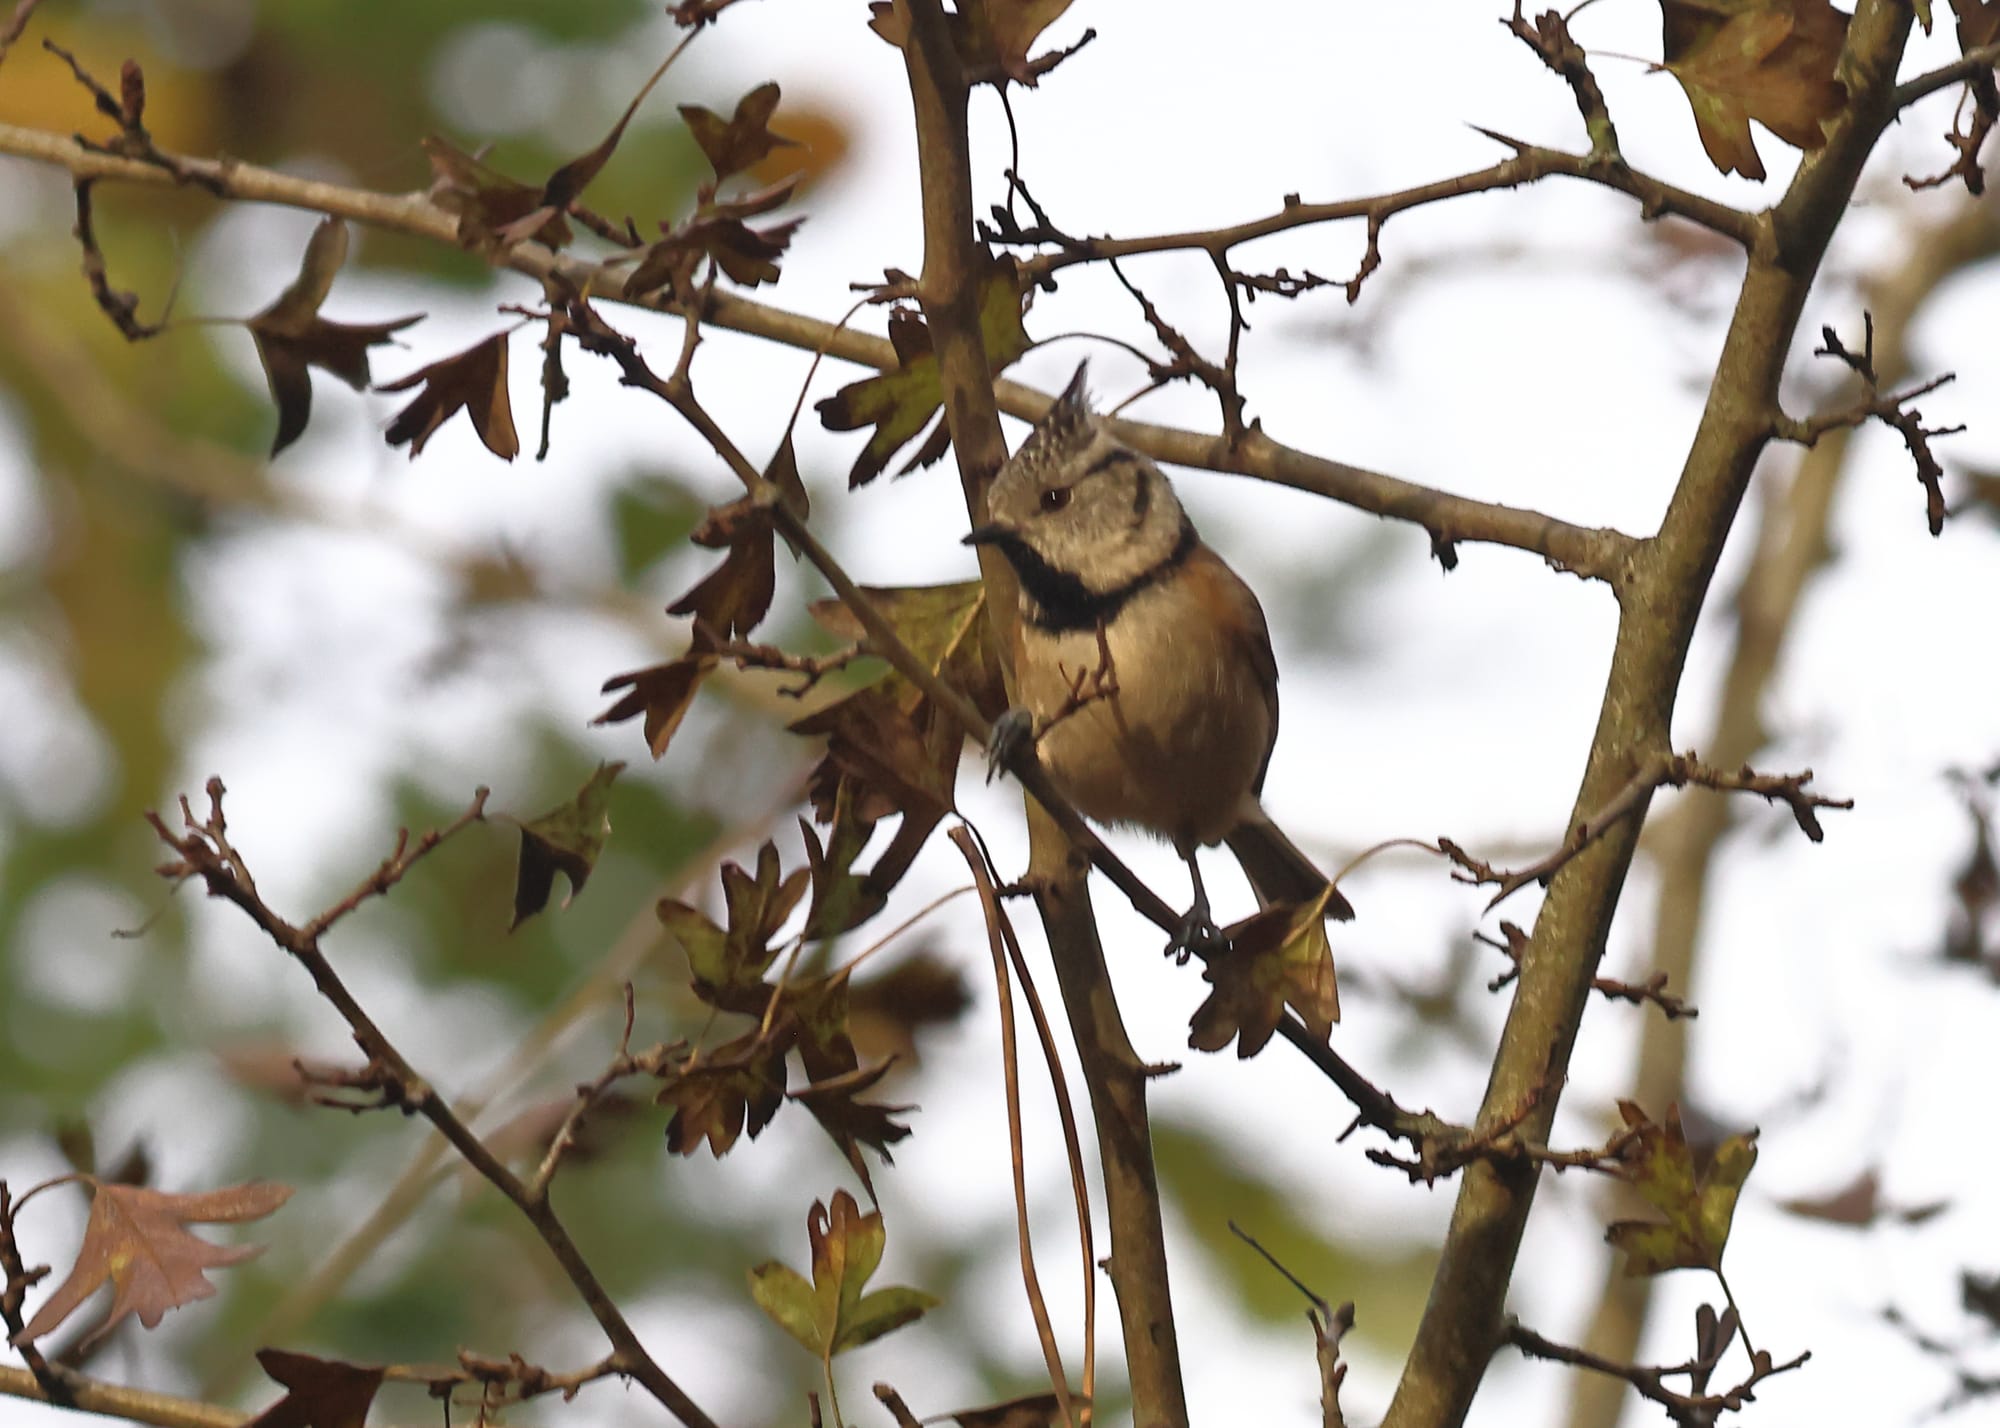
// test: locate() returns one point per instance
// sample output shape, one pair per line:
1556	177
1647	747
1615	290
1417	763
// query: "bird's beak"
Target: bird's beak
986	535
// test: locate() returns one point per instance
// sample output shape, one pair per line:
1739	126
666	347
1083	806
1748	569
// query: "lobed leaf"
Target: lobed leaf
137	1241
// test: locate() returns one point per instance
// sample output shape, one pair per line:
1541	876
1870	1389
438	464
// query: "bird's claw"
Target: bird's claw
1197	936
1012	732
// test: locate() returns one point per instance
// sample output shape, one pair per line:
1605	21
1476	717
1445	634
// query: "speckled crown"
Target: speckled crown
1065	429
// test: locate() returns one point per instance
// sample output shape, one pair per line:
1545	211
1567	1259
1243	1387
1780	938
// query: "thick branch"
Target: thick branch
134	1405
1791	548
1666	589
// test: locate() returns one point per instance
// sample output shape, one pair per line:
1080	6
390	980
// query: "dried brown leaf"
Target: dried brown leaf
291	336
740	141
137	1240
661	692
323	1393
474	380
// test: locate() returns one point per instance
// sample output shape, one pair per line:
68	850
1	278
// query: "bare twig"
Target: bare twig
1549	38
996	918
1892	409
205	851
1450	519
1692	1410
1514	943
56	1384
1329	1326
1662	770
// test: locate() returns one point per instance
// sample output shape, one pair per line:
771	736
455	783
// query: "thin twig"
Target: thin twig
1684	1408
206	852
1011	1080
1450	519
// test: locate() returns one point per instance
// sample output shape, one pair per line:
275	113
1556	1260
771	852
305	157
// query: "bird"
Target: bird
1143	664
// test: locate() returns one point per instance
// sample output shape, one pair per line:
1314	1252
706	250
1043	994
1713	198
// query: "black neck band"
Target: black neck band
1059	602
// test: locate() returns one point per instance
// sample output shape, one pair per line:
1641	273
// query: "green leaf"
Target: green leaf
1699	1205
727	965
784	1294
832	1314
880	1313
567	840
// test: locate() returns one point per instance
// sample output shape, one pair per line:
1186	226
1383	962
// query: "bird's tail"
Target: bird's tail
1277	870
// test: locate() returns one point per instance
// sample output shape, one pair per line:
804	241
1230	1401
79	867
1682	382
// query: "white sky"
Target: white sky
1506	350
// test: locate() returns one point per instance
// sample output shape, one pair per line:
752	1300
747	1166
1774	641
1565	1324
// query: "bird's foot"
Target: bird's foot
1197	936
1012	732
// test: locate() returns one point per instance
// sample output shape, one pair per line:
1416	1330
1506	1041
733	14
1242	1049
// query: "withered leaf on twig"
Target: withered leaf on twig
137	1240
662	692
475	380
322	1393
738	1086
1768	60
733	598
1277	957
852	1122
567	840
487	202
1698	1205
729	963
740	141
1978	23
901	403
983	33
568	182
830	1313
291	336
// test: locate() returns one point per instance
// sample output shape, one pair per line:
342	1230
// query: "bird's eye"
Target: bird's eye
1055	498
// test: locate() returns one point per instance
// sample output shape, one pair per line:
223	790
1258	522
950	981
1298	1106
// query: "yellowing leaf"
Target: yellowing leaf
833	1314
567	840
732	962
738	1086
1768	60
137	1240
1276	957
1698	1206
901	403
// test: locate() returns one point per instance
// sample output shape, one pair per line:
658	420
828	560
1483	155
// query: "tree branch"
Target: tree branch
1593	553
206	853
1666	588
1791	548
134	1405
